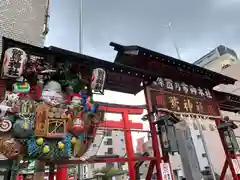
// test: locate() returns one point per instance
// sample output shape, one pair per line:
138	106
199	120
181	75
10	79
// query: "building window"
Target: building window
92	166
108	142
110	151
146	165
107	133
122	140
94	145
224	66
204	155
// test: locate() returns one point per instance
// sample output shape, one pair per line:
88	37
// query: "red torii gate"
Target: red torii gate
126	125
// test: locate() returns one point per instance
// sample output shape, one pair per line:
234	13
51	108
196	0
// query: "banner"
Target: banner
166	171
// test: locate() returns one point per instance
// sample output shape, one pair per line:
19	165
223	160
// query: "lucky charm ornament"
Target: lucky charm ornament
21	86
52	93
76	109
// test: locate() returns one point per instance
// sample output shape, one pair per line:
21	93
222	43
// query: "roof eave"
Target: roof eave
225	79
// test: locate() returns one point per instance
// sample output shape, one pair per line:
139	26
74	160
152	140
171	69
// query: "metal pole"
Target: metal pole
206	149
169	26
79	166
173	41
81	27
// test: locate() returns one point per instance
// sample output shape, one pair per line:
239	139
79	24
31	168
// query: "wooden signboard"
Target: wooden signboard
42	111
173	96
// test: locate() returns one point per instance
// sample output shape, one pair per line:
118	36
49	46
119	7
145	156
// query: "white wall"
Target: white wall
218	63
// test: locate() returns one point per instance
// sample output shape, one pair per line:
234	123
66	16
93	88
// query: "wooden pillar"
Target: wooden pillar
40	170
154	135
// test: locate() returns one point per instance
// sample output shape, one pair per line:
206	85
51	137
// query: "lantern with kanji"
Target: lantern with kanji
98	80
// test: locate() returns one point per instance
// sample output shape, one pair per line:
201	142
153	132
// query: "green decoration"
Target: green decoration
72	80
21	87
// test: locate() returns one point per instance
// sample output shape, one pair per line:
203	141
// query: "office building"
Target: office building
213	144
147	147
225	61
107	143
218	59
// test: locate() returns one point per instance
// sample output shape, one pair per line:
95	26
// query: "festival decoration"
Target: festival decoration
5	125
98	80
47	112
14	61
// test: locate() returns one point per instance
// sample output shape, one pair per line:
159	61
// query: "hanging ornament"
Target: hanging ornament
73	140
5	125
195	124
3	110
181	117
201	124
61	145
210	123
14	62
190	121
21	87
46	149
39	141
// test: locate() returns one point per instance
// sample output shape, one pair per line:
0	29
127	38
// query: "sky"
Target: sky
198	26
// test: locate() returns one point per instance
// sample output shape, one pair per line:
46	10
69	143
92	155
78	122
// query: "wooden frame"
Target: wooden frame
46	116
42	111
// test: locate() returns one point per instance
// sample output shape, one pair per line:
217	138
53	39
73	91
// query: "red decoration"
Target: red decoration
160	99
77	127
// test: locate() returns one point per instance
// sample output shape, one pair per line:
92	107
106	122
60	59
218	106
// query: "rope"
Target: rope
188	114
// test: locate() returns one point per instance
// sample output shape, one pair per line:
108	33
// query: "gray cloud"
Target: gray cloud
197	26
